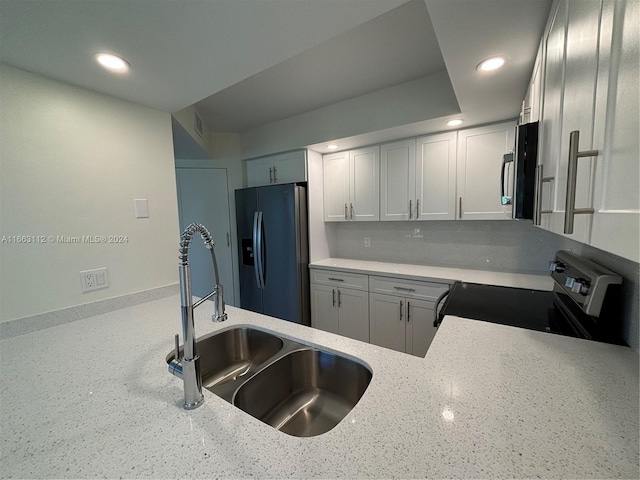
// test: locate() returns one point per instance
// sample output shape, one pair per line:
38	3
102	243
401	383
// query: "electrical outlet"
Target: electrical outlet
367	242
93	279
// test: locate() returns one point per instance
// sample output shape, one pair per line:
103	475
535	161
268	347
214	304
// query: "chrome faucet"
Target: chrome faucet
188	367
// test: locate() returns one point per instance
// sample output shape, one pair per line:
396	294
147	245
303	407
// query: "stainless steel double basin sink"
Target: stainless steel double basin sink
297	389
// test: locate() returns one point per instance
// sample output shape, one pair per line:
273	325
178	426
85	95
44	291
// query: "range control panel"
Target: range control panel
584	281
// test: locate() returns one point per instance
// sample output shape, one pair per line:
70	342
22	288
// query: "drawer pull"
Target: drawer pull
336	279
405	289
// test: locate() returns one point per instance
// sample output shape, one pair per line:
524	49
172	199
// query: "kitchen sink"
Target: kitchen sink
228	355
297	389
304	393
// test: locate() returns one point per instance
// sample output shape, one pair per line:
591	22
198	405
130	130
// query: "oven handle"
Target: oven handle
436	320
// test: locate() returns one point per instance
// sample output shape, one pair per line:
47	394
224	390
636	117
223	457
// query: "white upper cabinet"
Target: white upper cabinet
418	178
616	196
351	185
398	180
591	87
436	177
288	167
479	164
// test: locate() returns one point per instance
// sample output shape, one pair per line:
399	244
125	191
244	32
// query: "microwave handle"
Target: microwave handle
508	158
436	320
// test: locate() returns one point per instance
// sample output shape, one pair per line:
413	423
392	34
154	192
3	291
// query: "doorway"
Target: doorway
203	198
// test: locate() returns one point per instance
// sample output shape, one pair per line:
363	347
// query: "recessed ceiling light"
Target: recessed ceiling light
112	62
333	146
491	64
455	122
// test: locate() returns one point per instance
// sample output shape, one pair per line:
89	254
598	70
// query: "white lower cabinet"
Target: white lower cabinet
389	312
401	323
337	309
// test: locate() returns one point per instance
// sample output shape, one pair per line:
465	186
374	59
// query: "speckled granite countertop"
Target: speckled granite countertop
438	274
93	399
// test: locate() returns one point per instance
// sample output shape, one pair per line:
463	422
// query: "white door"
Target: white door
324	314
397	180
420	329
353	314
335	175
479	165
259	172
550	128
387	321
290	167
617	193
580	66
435	176
203	198
364	172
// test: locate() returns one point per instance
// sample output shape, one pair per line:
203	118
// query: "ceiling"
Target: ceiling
247	63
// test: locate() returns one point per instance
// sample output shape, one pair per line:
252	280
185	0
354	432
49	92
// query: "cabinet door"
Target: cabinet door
387	321
324	314
335	171
578	111
365	186
397	180
616	222
480	152
550	128
353	314
436	177
259	172
420	329
290	167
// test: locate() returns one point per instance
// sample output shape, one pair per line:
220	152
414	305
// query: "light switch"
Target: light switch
141	207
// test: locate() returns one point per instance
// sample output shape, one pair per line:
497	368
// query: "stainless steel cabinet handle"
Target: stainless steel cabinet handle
410	210
275	175
408	311
459	207
339	299
572	177
336	279
537	195
405	289
333	295
270	175
351	205
418	208
400	310
228	239
346	214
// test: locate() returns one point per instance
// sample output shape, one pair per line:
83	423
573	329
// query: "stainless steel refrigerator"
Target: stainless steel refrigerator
273	251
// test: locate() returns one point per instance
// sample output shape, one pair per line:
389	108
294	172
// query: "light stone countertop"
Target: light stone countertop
438	274
93	399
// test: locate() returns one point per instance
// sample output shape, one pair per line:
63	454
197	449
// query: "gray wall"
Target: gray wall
509	246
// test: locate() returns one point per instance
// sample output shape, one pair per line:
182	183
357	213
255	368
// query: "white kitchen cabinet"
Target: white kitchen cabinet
479	163
531	106
591	86
397	180
337	309
402	313
287	167
418	178
401	323
351	185
436	177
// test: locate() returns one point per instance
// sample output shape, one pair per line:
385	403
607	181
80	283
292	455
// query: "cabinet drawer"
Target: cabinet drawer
407	288
340	279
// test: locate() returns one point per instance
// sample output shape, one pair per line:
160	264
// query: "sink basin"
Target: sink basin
228	355
304	393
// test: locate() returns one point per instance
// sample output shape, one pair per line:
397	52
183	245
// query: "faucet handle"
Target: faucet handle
177	340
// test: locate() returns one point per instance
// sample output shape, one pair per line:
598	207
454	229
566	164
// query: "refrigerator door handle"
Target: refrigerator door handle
257	241
260	250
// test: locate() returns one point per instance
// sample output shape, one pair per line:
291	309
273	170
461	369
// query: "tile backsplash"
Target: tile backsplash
486	245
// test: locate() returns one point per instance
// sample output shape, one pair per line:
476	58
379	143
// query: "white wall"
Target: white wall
71	163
